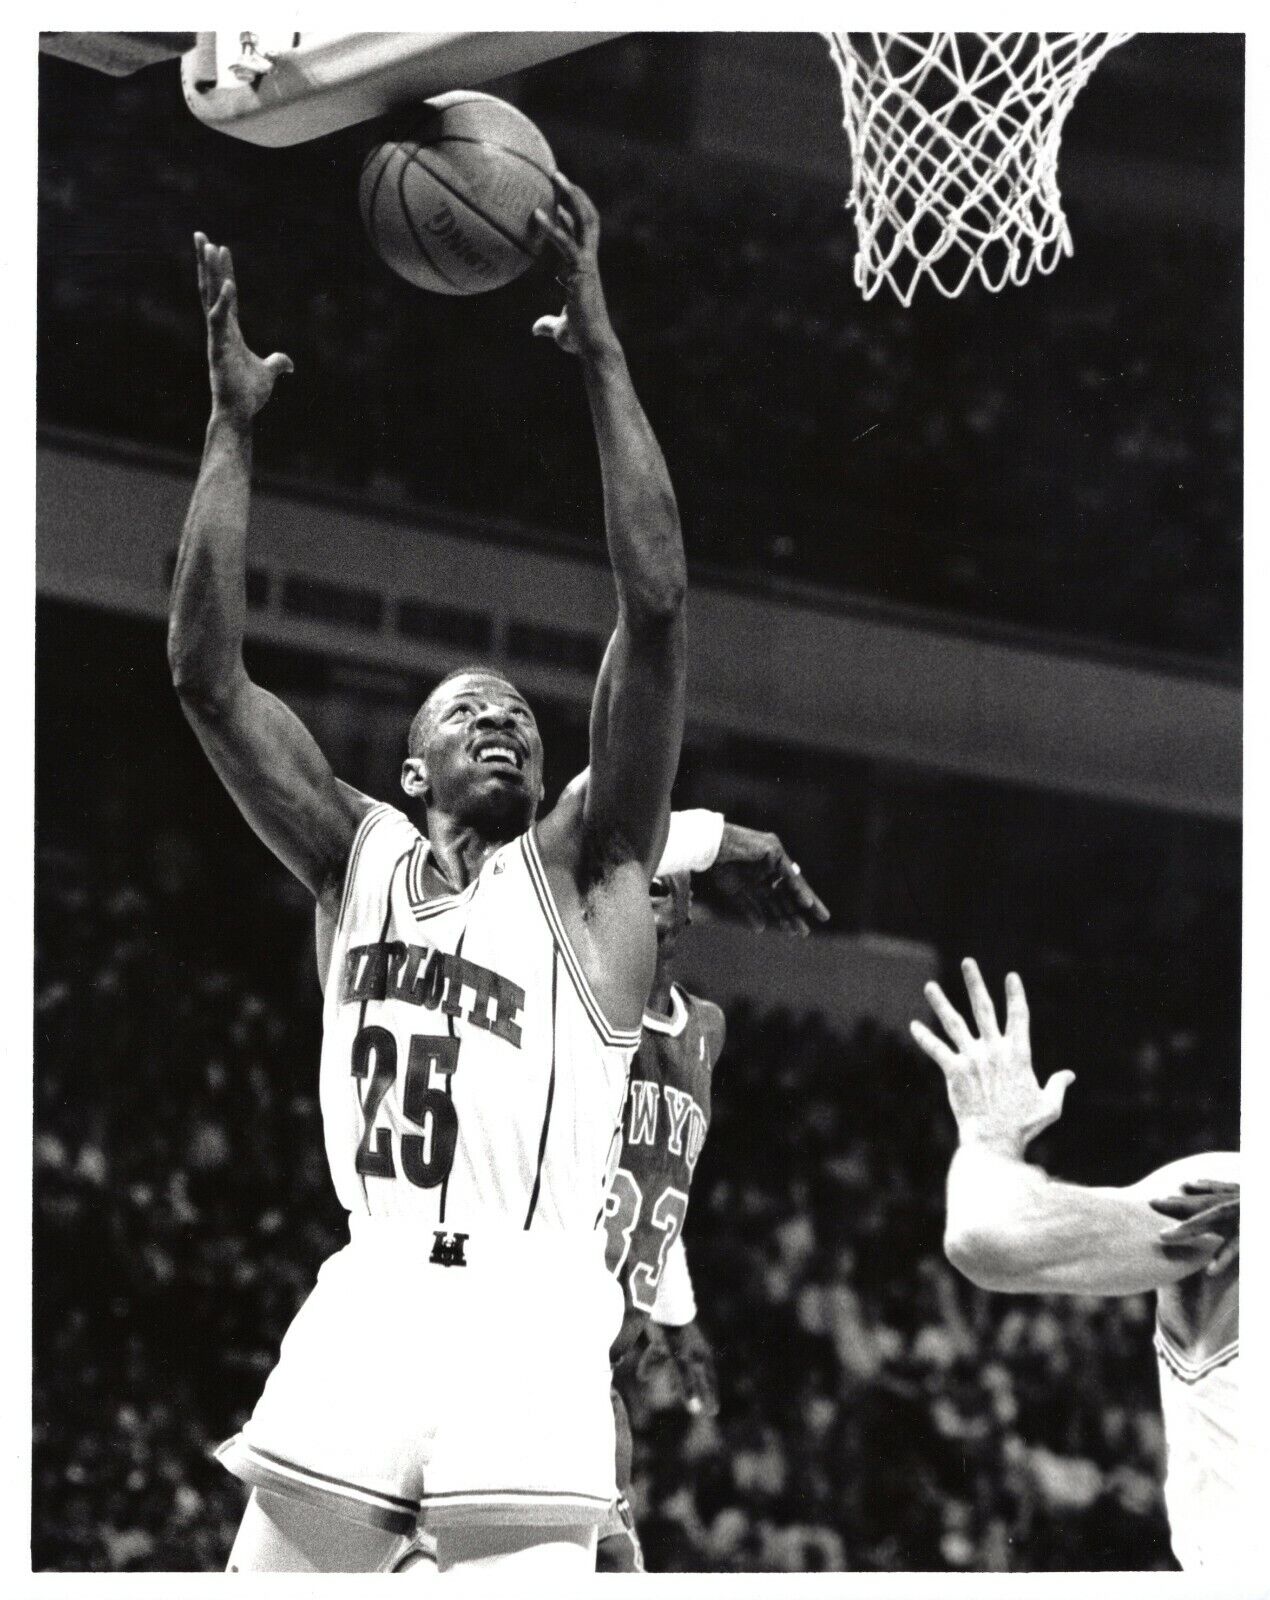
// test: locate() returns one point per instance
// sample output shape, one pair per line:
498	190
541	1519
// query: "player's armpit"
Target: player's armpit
279	779
1013	1229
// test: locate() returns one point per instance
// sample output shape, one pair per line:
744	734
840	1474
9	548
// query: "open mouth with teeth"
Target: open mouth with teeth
500	753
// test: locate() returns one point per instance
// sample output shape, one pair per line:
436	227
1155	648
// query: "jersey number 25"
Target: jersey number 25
426	1156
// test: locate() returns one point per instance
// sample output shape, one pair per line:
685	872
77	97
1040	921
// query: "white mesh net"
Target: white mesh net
954	152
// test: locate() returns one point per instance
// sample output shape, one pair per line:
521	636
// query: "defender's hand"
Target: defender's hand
760	881
991	1086
583	327
241	381
691	1360
1203	1206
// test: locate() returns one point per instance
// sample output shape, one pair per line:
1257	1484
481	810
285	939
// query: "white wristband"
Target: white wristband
675	1304
692	842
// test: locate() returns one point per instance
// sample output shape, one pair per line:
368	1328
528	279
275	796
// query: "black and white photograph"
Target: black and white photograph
638	729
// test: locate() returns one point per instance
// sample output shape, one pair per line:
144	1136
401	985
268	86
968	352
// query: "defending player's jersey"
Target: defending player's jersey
469	1079
667	1117
1197	1342
471	1097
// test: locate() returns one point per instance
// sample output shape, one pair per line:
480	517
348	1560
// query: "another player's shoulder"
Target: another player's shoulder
708	1017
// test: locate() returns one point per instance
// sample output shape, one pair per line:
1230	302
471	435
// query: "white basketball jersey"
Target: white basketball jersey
469	1079
1197	1342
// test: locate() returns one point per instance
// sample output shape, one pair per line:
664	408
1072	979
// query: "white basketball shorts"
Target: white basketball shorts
475	1393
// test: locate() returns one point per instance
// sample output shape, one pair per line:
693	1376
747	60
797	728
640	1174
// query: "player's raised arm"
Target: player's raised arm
638	710
261	750
1010	1226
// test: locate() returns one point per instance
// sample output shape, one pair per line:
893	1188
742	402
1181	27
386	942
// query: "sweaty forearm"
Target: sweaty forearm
640	512
208	607
1012	1227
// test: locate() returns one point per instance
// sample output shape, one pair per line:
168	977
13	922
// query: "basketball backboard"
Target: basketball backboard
282	89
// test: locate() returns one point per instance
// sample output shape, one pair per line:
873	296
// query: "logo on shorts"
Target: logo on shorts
447	1249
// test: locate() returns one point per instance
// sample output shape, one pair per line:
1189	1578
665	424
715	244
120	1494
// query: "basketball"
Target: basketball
450	206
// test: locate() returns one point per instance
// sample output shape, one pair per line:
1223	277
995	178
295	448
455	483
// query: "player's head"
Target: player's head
474	752
671	896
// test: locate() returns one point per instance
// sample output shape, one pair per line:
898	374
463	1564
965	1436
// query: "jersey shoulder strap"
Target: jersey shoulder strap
383	837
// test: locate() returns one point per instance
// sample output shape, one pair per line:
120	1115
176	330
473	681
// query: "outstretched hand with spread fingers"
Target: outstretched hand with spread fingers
241	381
992	1088
572	231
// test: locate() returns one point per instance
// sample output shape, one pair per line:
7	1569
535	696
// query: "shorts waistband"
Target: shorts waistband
452	1245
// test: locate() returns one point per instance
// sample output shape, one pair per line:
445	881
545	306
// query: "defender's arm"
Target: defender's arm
1010	1226
260	749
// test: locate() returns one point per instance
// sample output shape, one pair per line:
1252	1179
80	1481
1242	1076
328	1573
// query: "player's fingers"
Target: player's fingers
786	913
551	230
1053	1094
1225	1257
1017	1021
1200	1186
200	251
935	1048
1210	1219
952	1021
1178	1206
221	307
784	903
1200	1247
758	913
213	277
579	205
980	1000
788	922
547	327
279	364
808	900
567	220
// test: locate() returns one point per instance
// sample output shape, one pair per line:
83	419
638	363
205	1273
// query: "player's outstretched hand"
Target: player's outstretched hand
755	876
992	1088
1203	1206
241	381
572	231
687	1353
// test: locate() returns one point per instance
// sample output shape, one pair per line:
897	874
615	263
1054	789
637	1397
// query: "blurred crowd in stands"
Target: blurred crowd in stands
877	1412
1065	456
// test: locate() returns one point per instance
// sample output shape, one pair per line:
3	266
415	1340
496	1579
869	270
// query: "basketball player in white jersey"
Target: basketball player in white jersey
668	1101
485	981
1013	1228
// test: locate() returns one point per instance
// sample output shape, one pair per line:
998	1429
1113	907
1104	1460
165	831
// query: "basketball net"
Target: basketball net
954	152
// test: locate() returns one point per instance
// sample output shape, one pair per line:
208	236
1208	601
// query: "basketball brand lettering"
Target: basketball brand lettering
434	979
443	224
447	1249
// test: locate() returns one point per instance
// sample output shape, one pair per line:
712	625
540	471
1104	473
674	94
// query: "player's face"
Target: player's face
483	754
671	898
